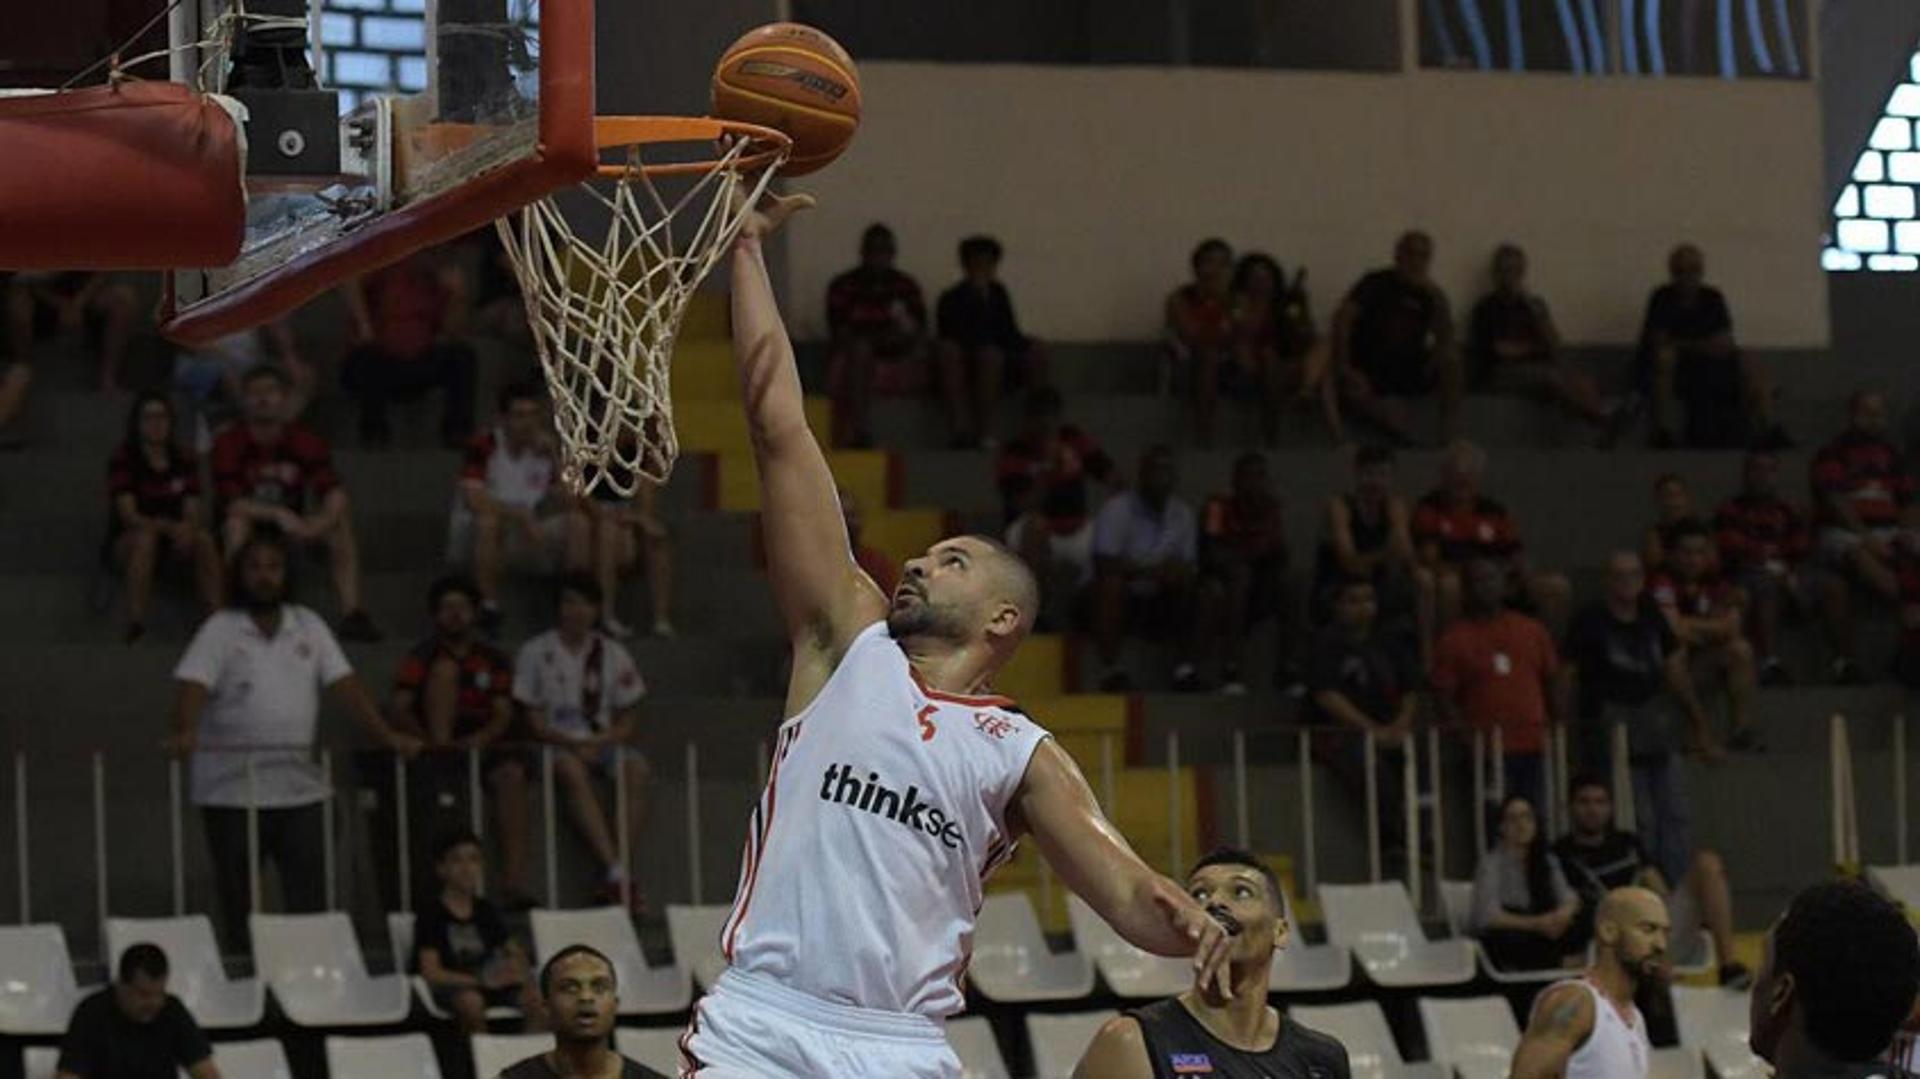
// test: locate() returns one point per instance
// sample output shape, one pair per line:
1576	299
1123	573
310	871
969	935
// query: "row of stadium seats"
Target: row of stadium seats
1471	1037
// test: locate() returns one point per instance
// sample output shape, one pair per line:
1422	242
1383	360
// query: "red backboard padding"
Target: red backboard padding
143	175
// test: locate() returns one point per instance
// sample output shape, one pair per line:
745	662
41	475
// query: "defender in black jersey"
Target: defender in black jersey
583	999
1199	1033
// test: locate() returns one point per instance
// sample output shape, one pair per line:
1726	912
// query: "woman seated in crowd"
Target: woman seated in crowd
1523	908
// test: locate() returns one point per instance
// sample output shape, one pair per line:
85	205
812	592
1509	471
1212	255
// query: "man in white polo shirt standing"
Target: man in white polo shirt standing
249	690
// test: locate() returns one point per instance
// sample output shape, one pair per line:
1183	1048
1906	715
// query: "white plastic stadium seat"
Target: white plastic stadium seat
1376	922
37	989
979	1051
1679	1062
1371	1050
1899	882
395	1056
1456	902
1714	1021
400	940
1011	961
314	966
38	1062
1060	1040
644	989
1475	1036
695	934
656	1047
1128	971
194	971
495	1053
263	1058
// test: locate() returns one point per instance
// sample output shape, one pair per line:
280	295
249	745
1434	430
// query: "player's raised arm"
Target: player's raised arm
1055	805
823	596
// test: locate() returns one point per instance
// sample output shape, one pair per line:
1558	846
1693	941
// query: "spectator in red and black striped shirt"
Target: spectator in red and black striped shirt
878	321
1763	541
456	690
275	475
1705	614
154	485
1860	488
1455	524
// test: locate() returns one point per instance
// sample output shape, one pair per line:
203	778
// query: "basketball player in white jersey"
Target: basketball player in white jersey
899	781
1590	1028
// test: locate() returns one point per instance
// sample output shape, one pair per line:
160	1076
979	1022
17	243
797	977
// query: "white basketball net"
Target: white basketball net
605	315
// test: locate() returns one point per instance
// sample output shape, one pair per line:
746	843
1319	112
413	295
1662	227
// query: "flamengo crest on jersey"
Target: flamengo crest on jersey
867	855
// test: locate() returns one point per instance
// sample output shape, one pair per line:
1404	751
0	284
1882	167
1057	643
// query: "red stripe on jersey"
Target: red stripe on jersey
957	698
756	842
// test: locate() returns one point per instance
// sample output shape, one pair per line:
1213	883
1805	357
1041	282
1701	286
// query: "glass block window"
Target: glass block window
373	46
1876	215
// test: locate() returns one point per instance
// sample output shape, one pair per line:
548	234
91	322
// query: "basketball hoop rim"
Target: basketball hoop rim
616	132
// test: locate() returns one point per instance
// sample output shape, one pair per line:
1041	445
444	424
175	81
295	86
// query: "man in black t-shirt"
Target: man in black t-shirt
134	1028
1632	673
1393	337
1362	680
1598	858
1688	355
582	999
1201	1033
461	945
980	350
1514	346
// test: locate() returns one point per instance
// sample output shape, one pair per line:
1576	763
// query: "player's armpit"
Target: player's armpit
1562	1020
1119	1051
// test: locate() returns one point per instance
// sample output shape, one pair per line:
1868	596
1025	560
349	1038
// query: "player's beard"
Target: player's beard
926	619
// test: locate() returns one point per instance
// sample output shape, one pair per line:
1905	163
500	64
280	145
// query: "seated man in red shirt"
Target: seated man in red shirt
272	474
456	691
981	350
1495	668
1860	488
1243	575
1393	337
1704	612
878	321
1763	541
1043	474
1200	329
407	322
1455	524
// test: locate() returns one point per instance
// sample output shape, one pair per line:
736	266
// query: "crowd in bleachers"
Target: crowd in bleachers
1413	607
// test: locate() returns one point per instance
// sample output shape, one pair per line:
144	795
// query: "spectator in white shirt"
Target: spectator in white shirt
508	508
581	692
1145	552
248	709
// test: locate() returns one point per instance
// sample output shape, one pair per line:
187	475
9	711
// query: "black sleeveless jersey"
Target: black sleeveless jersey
1181	1048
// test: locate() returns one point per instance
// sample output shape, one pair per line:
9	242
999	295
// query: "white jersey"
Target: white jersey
867	857
1616	1049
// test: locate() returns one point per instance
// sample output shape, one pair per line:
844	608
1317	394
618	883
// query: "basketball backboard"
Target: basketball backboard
451	114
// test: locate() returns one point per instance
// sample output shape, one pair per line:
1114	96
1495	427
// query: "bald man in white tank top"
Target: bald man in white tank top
899	781
1589	1028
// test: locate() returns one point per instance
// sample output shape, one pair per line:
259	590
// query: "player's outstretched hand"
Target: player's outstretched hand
1212	947
765	219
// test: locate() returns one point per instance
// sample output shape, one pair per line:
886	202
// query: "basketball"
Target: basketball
796	80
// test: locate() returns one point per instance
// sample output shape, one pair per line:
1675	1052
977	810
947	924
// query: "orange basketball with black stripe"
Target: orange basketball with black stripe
794	79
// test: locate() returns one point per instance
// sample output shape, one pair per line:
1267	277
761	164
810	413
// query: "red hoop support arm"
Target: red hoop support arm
566	155
129	176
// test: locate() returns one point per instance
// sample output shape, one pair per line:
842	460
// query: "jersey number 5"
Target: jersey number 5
925	719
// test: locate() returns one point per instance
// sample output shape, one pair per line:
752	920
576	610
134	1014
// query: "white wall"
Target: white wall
1099	181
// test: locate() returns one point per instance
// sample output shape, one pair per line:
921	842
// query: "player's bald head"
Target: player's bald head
1629	906
966	589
